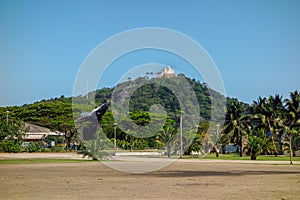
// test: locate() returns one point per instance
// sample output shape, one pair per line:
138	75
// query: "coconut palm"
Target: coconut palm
293	107
196	145
100	148
258	143
268	113
214	139
237	123
253	146
223	140
292	120
168	136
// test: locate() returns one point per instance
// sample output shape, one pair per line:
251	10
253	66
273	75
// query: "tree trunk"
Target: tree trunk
66	142
274	145
291	150
272	131
169	151
217	151
241	146
253	157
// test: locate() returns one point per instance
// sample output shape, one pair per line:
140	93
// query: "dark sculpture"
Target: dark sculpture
89	122
98	112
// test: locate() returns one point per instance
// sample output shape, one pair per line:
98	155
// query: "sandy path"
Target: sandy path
67	155
181	180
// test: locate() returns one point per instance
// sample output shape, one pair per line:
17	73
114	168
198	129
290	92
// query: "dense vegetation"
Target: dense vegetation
55	114
268	126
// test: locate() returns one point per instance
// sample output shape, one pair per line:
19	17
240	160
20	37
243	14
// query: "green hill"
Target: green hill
56	113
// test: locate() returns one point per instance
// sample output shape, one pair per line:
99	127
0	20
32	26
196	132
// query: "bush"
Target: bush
57	149
34	147
9	146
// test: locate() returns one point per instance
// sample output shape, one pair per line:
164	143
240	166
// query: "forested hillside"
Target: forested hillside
56	113
268	126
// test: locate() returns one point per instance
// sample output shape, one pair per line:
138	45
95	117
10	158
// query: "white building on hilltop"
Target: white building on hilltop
166	72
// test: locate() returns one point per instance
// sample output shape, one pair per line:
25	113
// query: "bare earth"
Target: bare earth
181	180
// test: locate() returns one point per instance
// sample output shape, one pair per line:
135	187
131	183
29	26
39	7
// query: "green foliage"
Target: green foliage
34	147
168	137
56	139
150	94
57	149
11	135
134	143
276	117
102	95
269	112
258	143
12	129
264	123
295	139
196	145
238	124
10	146
99	148
55	114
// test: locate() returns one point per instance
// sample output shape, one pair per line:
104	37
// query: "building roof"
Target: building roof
36	132
34	137
36	129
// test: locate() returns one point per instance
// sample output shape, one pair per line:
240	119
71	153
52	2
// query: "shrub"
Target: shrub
34	147
9	146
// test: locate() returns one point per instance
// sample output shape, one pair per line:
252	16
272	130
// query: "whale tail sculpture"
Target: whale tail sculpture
100	110
89	122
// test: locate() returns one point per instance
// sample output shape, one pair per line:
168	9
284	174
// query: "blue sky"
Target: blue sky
255	44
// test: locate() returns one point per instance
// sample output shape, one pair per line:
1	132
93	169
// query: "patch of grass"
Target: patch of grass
278	158
226	157
237	157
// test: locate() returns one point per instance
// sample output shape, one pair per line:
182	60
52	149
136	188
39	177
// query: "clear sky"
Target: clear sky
255	44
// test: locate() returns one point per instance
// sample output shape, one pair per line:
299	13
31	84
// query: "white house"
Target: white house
166	72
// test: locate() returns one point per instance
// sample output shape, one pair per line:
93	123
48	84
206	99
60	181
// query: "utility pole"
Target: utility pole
115	136
216	142
180	127
87	88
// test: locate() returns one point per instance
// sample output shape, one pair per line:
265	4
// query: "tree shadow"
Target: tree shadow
186	173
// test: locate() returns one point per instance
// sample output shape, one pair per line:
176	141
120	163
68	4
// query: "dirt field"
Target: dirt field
181	180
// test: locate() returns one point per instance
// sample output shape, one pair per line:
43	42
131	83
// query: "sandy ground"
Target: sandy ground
67	155
180	180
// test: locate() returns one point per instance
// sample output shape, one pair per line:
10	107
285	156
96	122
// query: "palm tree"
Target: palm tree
253	146
100	148
196	145
269	114
258	143
223	141
168	137
237	123
292	119
293	107
215	139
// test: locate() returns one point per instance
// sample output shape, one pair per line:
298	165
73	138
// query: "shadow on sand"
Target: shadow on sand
186	173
